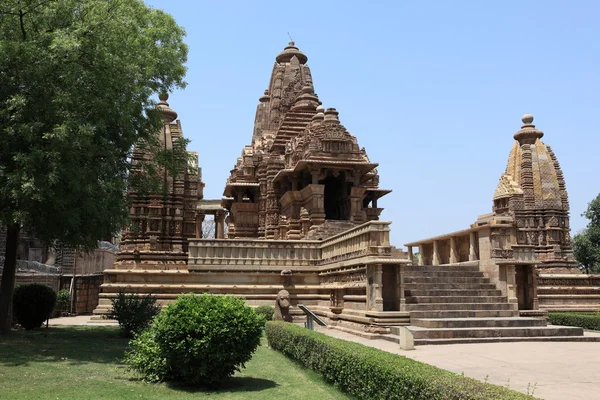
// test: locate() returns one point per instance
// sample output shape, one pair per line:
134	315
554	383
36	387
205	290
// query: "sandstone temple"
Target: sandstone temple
300	211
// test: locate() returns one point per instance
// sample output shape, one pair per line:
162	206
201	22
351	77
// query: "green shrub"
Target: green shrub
133	312
62	300
33	304
368	373
265	311
584	320
199	340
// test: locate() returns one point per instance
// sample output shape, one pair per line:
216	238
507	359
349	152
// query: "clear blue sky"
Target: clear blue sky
433	89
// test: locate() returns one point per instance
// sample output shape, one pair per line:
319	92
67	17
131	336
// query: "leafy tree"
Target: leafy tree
586	244
76	80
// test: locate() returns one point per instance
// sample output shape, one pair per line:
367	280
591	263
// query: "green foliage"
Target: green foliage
368	373
33	304
76	81
76	84
265	311
62	300
589	321
133	312
200	340
586	244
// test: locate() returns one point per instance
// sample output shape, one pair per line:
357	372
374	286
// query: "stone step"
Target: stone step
497	322
576	290
460	306
449	286
452	292
463	314
423	342
440	268
454	299
454	333
445	274
446	280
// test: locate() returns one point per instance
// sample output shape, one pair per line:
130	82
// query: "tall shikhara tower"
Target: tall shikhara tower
304	175
162	223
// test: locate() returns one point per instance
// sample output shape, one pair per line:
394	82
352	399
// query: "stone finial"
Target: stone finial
289	52
307	100
169	115
331	115
528	134
527	119
265	97
318	117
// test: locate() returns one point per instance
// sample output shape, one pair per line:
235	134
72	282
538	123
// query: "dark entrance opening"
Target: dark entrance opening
391	300
337	197
524	280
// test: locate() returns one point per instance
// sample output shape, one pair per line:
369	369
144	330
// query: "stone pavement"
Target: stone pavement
552	370
80	320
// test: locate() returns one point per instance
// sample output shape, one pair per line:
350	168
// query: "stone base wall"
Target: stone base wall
87	290
24	278
573	292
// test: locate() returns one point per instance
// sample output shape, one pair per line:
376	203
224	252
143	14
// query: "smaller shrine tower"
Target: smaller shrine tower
161	223
532	192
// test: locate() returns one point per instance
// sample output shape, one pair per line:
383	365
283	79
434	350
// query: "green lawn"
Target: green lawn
83	363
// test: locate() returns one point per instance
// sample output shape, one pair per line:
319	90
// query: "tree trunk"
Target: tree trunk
8	279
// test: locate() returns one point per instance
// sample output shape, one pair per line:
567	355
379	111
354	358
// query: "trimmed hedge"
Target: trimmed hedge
266	311
368	373
583	320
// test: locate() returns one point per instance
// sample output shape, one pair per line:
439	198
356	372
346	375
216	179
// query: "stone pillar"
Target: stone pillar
453	252
472	254
401	286
315	176
378	287
219	224
534	294
411	257
199	221
511	284
356	208
436	254
421	255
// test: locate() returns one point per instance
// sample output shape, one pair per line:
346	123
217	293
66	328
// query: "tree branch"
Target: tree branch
21	15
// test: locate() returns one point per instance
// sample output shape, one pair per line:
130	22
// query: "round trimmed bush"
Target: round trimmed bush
33	304
200	340
265	311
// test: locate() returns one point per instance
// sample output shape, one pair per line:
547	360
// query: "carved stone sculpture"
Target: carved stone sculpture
282	307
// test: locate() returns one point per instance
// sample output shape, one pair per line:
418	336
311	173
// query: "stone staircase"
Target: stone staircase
457	304
329	228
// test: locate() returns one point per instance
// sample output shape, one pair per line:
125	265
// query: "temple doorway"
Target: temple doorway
525	289
391	300
337	197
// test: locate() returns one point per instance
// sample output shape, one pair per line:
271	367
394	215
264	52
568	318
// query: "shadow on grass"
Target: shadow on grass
234	384
68	344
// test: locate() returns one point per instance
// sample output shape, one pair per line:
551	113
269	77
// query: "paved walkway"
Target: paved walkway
79	320
552	370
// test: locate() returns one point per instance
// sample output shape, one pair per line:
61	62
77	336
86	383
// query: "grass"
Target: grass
83	363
